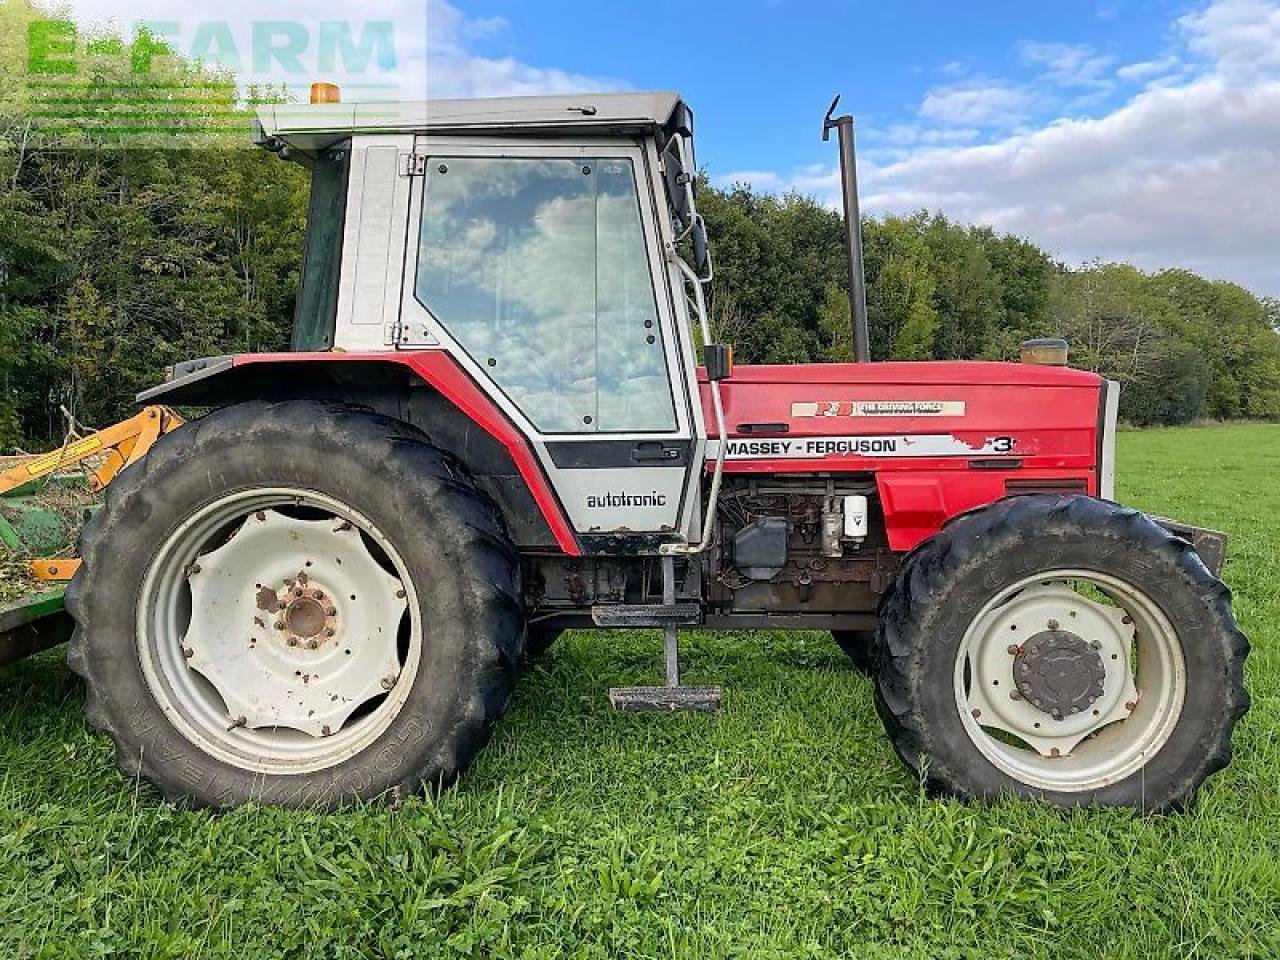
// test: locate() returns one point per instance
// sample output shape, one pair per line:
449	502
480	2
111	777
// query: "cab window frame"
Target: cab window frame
639	175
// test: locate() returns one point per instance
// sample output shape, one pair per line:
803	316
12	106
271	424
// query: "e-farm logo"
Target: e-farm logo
196	76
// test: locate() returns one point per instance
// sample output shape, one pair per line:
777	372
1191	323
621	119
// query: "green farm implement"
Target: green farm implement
42	507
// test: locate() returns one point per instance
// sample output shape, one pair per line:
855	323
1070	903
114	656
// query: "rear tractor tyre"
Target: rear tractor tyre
298	603
858	646
538	642
1064	648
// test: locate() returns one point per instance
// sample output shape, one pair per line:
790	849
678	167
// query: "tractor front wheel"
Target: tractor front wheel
298	603
1065	648
858	646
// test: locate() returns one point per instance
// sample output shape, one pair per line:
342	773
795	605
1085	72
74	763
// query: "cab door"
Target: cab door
539	268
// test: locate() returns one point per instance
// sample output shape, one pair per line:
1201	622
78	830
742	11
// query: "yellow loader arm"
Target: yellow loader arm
119	445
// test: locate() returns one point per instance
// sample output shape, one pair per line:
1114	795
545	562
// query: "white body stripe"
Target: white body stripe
892	445
1107	468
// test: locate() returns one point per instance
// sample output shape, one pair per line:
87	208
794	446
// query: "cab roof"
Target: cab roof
310	127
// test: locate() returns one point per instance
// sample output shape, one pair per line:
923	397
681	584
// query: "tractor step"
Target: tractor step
647	615
668	615
665	698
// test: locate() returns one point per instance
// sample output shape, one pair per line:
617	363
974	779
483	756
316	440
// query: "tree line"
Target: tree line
1183	347
120	255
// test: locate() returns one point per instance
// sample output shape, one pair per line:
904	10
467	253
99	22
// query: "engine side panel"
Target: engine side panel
938	438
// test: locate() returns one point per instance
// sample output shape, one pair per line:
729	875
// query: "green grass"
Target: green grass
783	827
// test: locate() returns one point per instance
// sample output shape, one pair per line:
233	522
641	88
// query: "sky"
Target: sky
1134	130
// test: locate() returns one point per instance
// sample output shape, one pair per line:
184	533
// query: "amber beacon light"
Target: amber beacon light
325	93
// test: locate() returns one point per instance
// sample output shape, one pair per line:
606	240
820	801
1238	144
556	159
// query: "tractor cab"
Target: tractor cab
552	247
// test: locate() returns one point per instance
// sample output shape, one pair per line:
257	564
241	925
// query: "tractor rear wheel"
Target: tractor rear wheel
538	642
1064	648
858	646
297	603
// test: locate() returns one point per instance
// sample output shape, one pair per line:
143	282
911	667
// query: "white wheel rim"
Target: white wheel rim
1123	720
291	686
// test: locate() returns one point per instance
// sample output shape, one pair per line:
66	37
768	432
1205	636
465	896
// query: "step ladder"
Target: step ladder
669	616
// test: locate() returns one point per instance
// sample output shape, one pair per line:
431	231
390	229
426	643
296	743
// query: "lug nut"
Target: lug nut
279	624
976	713
188	653
1013	649
1014	695
1053	624
325	731
388	683
329	631
311	644
293	641
331	611
1054	752
400	594
1131	706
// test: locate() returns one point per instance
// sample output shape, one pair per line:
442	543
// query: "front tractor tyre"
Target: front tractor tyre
1064	648
298	603
859	647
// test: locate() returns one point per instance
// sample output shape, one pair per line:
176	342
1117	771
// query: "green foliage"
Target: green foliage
783	827
119	256
1182	347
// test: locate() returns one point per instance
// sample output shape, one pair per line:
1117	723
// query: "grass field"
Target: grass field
783	827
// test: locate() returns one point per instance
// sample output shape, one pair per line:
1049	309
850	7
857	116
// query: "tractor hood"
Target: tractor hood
938	437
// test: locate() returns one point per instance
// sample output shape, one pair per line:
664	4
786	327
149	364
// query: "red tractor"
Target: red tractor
493	427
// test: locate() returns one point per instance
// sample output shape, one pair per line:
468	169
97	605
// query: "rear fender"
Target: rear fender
382	381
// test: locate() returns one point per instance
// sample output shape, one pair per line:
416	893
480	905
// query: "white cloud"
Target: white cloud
974	104
1185	176
1145	70
1186	173
1240	37
453	70
909	133
1068	64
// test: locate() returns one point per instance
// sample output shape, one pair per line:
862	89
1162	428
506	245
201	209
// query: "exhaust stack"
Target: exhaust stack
852	229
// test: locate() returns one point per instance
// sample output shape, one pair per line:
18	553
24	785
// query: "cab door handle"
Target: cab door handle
651	451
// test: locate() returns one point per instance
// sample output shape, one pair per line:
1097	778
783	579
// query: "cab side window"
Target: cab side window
538	268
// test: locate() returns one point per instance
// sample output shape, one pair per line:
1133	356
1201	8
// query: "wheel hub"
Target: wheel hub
1060	685
1059	672
270	634
304	615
